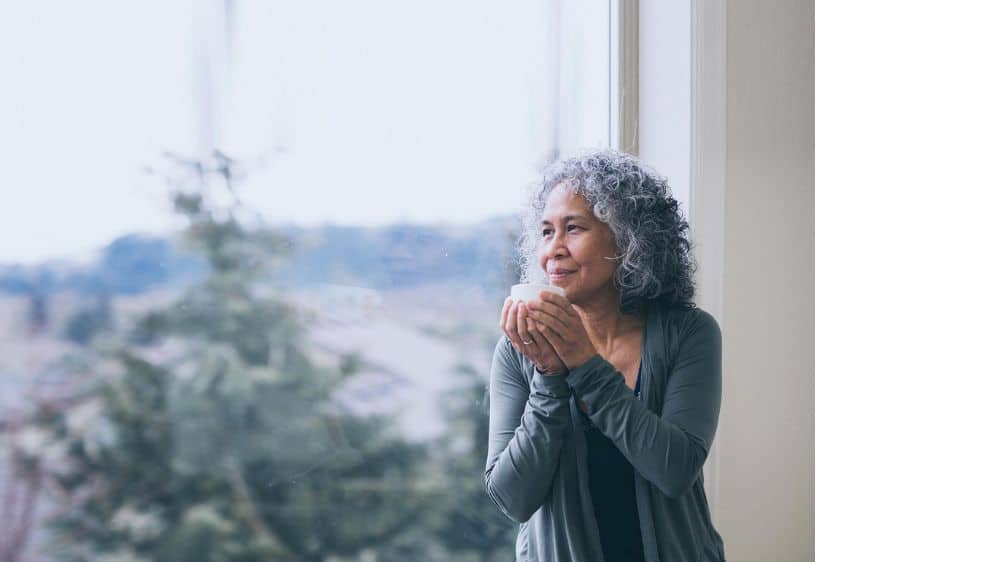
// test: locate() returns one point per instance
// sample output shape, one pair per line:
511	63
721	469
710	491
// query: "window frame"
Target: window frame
705	196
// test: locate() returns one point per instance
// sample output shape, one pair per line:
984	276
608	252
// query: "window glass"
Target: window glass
252	264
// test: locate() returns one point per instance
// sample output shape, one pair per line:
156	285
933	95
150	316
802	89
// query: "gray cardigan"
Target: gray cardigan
536	465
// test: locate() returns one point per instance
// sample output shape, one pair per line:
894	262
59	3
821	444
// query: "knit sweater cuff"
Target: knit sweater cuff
550	385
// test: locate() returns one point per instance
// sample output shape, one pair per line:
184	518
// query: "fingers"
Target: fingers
520	327
544	346
522	324
557	301
552	320
543	327
508	323
545	336
548	313
503	314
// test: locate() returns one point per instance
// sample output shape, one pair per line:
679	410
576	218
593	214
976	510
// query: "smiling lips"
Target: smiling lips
560	273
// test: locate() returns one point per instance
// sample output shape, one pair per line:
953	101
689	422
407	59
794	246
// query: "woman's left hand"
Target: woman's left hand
559	322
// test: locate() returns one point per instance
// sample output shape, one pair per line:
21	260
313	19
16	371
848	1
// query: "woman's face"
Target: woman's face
575	241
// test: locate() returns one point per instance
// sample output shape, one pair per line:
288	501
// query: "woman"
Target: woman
604	403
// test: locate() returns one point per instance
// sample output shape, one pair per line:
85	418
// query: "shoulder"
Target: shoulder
687	322
702	321
681	315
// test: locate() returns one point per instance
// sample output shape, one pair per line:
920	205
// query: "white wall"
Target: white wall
766	488
665	143
749	199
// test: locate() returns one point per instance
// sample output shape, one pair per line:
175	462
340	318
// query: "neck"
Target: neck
604	321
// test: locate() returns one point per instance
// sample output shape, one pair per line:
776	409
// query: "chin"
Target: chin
568	287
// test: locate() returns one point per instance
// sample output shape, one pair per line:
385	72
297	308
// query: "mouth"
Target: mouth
560	275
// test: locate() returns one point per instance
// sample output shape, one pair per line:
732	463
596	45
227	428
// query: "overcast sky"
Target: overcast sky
418	111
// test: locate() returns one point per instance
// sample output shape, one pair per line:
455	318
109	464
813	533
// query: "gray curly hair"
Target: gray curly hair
652	249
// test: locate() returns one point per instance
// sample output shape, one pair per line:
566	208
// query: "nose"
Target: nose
554	248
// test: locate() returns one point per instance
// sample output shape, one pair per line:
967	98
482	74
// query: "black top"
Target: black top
612	489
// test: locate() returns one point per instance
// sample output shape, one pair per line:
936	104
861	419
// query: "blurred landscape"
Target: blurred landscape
251	393
375	291
390	257
251	390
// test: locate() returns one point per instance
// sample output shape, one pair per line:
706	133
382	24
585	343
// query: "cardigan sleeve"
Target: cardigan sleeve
526	431
670	449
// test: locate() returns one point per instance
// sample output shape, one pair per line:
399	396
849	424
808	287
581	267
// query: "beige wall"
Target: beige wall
766	475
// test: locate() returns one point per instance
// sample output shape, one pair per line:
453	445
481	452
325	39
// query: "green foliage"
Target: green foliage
206	432
471	523
215	439
90	320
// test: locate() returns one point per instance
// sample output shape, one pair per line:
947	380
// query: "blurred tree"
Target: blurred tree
19	488
469	523
90	320
208	433
38	313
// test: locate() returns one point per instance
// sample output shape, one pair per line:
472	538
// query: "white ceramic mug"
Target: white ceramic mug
532	291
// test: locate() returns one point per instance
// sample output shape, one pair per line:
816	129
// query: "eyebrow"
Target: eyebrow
567	218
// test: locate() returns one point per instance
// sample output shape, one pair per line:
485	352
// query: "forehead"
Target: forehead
562	203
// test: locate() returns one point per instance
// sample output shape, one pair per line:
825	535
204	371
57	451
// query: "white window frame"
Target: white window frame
624	76
703	199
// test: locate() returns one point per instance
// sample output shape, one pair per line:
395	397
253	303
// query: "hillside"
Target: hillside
400	255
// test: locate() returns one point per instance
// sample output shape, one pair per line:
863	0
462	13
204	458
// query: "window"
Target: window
252	276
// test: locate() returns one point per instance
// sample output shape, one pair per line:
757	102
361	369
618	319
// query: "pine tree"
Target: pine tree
207	434
470	524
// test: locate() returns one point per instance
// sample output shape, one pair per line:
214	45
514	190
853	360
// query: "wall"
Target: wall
766	484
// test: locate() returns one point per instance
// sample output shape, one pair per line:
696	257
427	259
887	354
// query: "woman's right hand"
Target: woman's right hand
525	337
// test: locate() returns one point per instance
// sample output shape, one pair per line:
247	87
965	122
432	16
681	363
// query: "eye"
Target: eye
547	231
